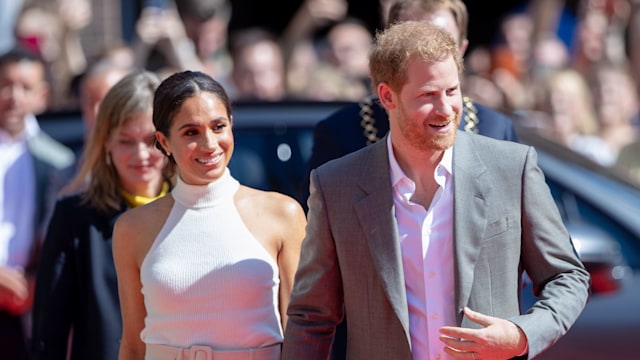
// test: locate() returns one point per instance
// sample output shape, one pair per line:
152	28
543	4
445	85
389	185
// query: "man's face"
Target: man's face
208	36
259	72
94	89
426	112
22	91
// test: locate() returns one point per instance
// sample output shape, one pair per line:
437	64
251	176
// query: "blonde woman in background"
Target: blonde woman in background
76	300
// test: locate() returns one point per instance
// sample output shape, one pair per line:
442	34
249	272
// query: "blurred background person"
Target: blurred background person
478	83
32	170
258	66
9	10
348	43
77	311
564	113
616	98
323	62
310	17
600	34
52	30
187	34
206	23
511	59
94	85
161	43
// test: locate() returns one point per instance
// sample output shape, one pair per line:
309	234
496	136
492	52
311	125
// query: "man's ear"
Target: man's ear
386	95
464	44
41	99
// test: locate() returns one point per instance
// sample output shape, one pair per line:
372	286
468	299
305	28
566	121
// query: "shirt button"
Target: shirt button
438	356
435	316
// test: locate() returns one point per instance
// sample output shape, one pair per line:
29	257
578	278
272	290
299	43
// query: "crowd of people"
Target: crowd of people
322	54
143	242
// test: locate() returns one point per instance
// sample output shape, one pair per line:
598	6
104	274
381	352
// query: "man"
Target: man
31	163
258	66
359	124
94	85
421	239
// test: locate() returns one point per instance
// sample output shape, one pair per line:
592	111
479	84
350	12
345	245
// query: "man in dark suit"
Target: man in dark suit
33	167
421	239
359	124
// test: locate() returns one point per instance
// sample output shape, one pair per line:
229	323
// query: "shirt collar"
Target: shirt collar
396	173
31	129
31	126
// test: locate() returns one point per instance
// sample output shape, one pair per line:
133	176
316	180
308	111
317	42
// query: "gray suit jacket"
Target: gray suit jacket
506	222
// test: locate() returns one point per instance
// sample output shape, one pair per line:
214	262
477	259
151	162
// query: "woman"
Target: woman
77	309
208	270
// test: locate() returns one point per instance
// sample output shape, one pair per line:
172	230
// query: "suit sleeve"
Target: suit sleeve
559	279
317	299
55	289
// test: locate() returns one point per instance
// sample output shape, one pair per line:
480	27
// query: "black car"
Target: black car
273	142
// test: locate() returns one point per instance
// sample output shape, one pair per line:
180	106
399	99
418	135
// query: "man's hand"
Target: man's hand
497	339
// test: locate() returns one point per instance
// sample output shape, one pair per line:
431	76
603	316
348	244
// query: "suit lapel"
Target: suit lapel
377	218
470	208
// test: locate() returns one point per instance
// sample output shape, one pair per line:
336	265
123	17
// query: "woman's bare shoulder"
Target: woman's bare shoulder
146	218
268	202
273	217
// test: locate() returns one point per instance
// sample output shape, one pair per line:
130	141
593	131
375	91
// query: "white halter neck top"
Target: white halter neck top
206	279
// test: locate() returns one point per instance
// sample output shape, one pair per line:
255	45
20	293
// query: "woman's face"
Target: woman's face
137	161
200	139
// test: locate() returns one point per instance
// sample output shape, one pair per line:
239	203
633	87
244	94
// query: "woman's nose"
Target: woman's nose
209	140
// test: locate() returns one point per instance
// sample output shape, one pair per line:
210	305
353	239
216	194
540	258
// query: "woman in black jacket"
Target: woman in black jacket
76	307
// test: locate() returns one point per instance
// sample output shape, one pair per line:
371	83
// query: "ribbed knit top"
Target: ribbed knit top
206	279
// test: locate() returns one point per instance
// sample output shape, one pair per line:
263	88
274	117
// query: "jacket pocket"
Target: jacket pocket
497	227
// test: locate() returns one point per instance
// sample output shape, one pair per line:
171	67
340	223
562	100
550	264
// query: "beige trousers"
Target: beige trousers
198	352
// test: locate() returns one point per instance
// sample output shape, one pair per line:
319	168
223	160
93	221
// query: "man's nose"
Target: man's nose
443	106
